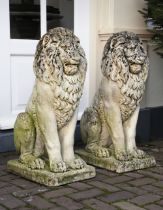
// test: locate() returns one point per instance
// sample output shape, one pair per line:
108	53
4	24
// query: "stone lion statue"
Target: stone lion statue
109	125
49	122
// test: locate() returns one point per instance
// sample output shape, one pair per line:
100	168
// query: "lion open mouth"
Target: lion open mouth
71	65
70	69
135	68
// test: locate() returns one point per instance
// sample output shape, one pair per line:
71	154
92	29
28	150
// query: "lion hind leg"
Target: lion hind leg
24	139
24	133
91	133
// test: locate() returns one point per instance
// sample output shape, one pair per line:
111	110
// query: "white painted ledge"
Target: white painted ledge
7	122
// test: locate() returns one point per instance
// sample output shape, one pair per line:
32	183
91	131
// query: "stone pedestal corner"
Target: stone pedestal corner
48	178
113	164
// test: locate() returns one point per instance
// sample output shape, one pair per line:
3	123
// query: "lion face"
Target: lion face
58	53
135	55
71	57
123	54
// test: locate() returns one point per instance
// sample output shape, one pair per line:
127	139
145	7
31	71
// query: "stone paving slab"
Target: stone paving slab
145	199
127	206
98	205
117	196
138	190
154	207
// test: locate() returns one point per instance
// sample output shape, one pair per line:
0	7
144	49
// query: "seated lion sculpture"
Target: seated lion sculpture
49	122
111	121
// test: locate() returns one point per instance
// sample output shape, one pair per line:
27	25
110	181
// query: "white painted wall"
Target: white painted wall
5	84
82	30
127	16
154	93
119	15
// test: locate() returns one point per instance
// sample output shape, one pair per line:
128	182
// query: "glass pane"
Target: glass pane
25	19
60	13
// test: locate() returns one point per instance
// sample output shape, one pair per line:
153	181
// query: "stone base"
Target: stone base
113	164
48	178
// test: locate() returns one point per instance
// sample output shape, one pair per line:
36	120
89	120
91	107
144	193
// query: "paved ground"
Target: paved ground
138	190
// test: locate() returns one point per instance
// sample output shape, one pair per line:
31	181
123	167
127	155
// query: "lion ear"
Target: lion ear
116	41
106	65
46	40
113	42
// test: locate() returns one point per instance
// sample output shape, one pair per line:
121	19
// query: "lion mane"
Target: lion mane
54	64
122	52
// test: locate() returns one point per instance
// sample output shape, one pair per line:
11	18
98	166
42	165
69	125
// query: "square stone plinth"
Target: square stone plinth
49	178
113	164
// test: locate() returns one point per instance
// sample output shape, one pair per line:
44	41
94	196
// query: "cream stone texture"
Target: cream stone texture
108	127
44	133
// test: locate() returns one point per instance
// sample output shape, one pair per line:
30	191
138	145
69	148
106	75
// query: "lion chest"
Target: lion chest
66	99
64	112
131	95
127	110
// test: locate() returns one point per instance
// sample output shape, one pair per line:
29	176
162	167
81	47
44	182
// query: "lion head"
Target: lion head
125	62
58	52
60	62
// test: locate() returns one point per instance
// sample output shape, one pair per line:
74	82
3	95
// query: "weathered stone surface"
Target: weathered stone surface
113	164
48	178
108	126
47	126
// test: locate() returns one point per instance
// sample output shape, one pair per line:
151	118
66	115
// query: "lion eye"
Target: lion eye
63	46
141	48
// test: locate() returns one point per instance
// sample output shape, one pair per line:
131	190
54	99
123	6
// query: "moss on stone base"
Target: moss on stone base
115	165
48	178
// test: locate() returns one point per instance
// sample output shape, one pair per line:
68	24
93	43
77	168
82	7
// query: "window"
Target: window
60	13
25	19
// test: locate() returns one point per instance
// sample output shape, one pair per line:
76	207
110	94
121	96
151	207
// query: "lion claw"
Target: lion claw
137	153
99	151
38	163
77	163
57	167
122	156
32	162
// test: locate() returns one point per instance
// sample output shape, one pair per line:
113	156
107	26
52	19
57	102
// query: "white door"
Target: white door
17	51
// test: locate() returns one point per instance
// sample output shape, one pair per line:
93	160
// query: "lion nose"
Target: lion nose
139	59
142	58
75	60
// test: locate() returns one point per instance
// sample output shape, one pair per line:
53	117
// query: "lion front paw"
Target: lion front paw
121	155
57	166
136	153
99	151
38	163
32	162
77	163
